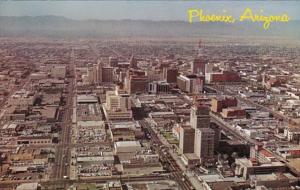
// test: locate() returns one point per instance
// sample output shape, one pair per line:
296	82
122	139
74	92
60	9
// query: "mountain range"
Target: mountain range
56	26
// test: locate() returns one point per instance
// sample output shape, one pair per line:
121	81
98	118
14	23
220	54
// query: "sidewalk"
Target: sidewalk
73	172
193	179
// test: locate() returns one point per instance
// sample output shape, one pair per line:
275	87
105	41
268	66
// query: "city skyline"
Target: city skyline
128	95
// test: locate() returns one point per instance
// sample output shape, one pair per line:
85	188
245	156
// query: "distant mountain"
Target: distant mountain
55	26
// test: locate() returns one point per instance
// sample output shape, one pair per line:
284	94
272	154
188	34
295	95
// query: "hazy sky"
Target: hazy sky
145	10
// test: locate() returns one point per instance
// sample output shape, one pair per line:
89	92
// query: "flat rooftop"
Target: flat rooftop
125	124
86	98
128	143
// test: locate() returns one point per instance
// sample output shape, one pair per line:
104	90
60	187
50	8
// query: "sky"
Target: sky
143	10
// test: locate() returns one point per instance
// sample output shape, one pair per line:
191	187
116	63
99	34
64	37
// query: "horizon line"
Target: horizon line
97	19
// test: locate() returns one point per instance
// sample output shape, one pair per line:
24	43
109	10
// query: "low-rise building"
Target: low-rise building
246	167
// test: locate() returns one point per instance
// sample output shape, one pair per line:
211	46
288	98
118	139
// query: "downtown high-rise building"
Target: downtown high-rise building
113	61
191	83
186	139
133	62
199	63
136	82
204	145
97	74
200	117
107	74
170	74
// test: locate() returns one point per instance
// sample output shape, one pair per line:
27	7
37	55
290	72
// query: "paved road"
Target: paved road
65	182
63	154
223	90
176	172
224	125
228	128
116	53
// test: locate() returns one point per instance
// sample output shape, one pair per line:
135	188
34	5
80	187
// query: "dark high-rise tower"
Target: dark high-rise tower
198	65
